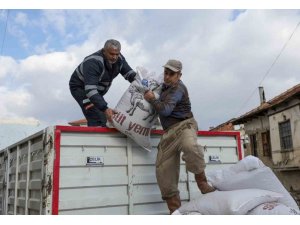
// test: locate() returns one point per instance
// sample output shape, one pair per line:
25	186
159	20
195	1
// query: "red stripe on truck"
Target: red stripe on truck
55	193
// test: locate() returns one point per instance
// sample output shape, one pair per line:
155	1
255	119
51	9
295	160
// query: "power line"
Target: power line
4	33
279	54
268	71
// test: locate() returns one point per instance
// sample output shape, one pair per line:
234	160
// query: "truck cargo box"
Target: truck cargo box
92	170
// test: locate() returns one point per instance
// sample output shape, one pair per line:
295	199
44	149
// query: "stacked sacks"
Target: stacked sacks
135	115
250	173
248	187
237	202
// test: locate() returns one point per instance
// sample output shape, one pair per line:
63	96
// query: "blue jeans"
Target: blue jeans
94	116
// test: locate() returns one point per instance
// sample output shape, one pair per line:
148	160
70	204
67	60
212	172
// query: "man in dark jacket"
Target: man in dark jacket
92	79
176	117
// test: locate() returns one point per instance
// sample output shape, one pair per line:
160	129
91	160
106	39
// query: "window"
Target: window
266	143
285	134
253	145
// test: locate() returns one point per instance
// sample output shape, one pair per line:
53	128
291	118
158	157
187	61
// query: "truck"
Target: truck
69	170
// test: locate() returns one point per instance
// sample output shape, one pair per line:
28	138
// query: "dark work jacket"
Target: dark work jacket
173	105
95	76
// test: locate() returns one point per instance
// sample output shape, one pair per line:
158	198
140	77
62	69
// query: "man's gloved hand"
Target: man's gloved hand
109	113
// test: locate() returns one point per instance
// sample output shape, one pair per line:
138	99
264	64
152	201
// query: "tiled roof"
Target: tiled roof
78	122
223	127
294	91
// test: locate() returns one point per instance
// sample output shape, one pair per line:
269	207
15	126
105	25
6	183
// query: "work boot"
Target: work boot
173	203
202	183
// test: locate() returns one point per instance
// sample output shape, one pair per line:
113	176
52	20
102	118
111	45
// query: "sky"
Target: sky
226	54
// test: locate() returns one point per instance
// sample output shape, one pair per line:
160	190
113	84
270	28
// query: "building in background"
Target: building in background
81	123
228	126
273	129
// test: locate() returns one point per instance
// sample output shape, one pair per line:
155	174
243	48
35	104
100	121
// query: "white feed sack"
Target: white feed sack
246	188
135	115
237	202
250	172
273	208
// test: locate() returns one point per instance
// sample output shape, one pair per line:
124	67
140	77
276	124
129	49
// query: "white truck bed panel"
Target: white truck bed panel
85	170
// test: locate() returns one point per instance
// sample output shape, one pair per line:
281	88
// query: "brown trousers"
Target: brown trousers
182	137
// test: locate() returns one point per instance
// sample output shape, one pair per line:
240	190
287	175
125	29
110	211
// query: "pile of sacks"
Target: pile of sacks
246	188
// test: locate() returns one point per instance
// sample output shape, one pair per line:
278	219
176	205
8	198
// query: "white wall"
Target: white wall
255	125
